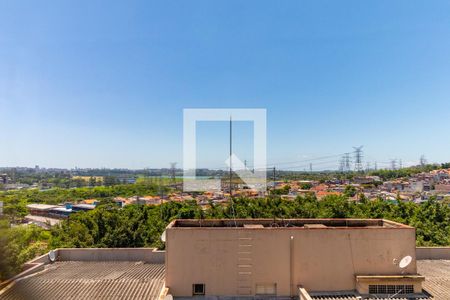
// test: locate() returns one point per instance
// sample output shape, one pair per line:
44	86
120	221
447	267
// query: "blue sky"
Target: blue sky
104	83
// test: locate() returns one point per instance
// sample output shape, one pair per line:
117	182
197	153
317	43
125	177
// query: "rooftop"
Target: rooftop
39	206
91	273
354	296
90	280
295	223
437	274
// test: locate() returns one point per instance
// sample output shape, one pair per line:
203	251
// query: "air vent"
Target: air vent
391	289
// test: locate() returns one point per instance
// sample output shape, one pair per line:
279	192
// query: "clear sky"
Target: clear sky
104	84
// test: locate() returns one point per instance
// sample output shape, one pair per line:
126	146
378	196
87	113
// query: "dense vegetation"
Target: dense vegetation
18	245
138	226
142	226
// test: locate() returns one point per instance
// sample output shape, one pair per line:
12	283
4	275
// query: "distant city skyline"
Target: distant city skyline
81	85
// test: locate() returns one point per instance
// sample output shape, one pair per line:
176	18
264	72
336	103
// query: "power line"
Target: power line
278	164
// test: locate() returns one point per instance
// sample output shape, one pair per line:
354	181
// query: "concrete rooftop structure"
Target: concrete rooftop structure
272	258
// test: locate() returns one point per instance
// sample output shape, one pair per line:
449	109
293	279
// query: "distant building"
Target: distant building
40	209
4	178
46	215
82	207
442	188
15	186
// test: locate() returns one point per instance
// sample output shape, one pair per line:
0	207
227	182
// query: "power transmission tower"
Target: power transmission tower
310	167
376	166
400	163
423	160
393	164
161	188
367	166
273	176
342	164
347	162
358	158
173	171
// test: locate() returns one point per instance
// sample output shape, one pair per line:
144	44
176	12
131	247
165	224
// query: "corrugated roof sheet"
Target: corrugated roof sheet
91	280
437	277
354	297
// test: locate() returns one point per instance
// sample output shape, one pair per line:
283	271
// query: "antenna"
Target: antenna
231	172
231	159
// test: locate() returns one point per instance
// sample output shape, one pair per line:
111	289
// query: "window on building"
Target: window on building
266	288
391	289
198	289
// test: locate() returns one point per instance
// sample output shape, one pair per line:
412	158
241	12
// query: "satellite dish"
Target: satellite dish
163	238
405	261
52	255
168	297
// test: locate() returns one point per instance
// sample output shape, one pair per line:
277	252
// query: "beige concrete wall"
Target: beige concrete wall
232	261
433	252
